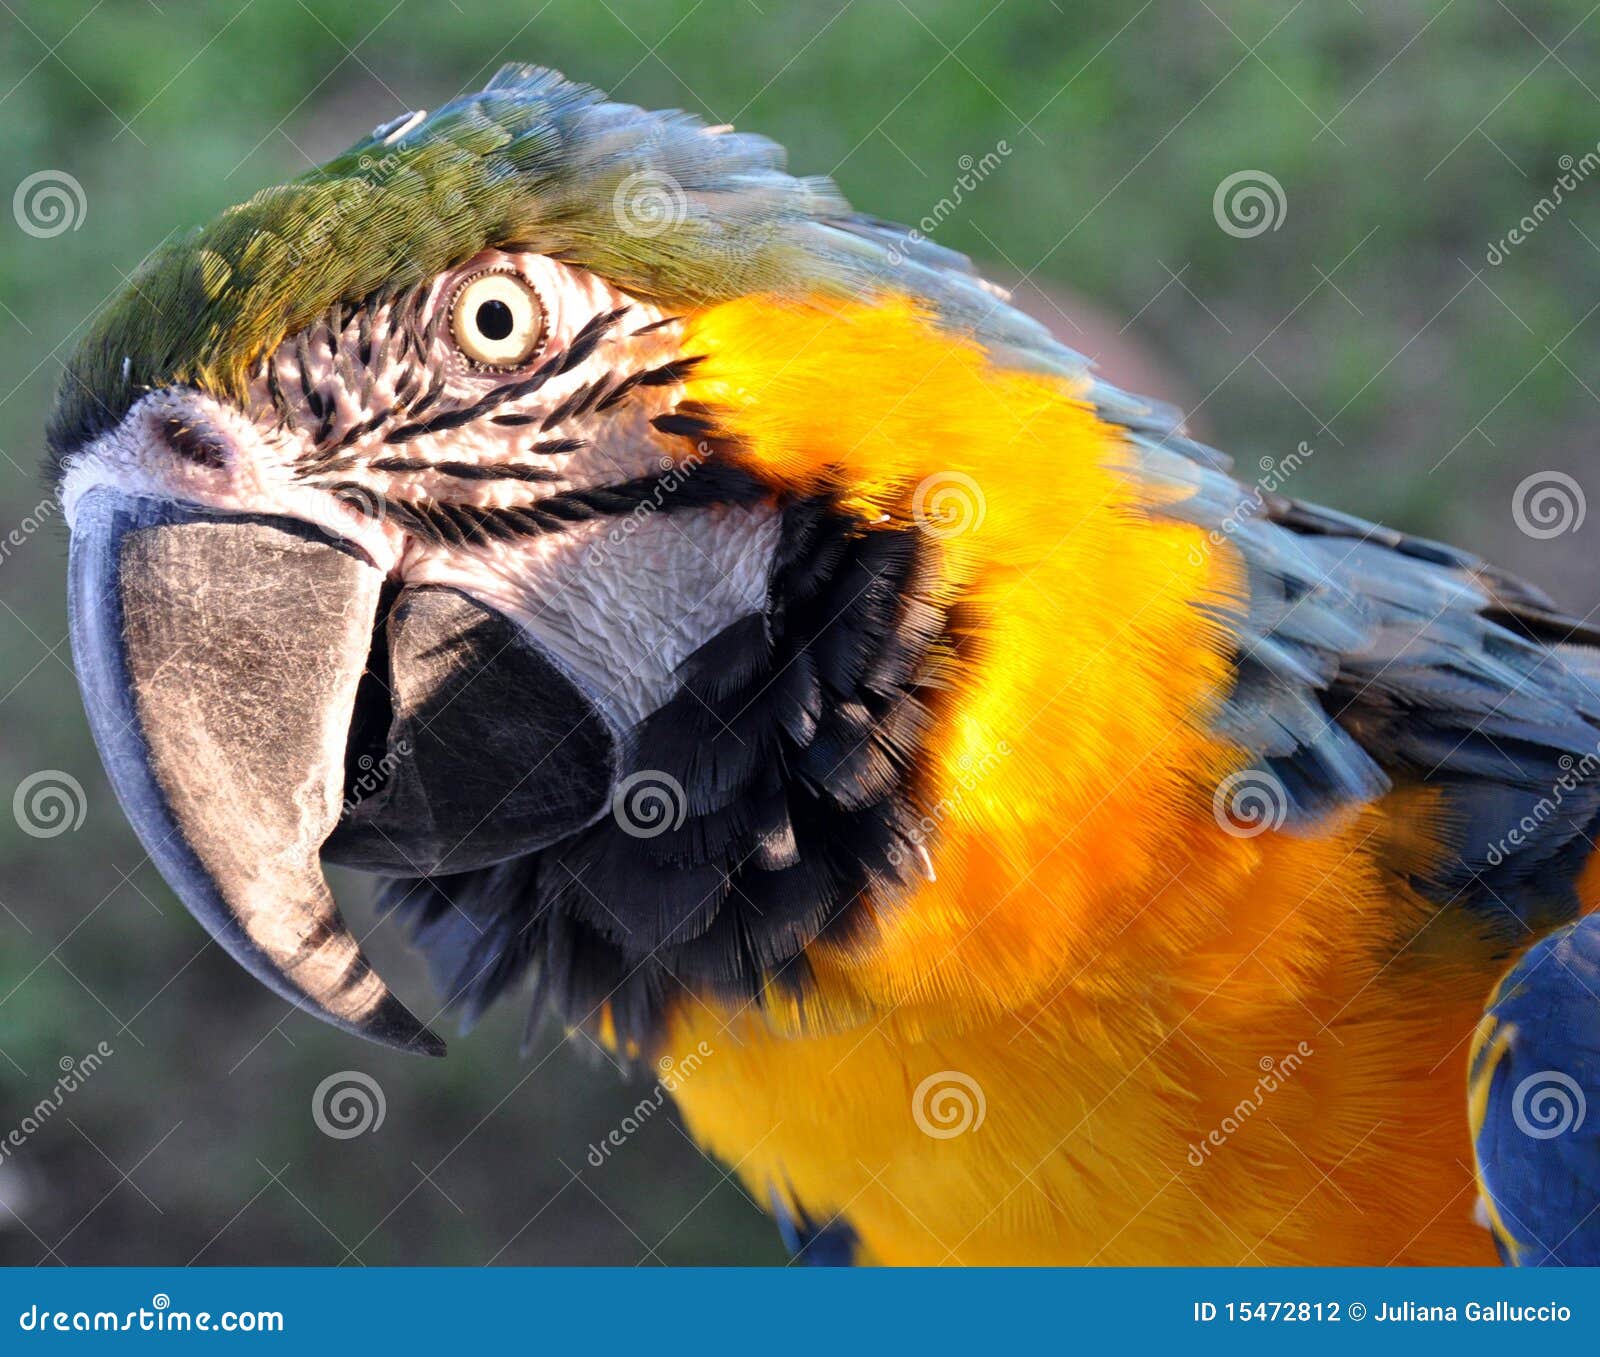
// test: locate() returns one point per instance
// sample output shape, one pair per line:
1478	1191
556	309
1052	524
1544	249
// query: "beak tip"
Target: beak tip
429	1045
392	1024
154	582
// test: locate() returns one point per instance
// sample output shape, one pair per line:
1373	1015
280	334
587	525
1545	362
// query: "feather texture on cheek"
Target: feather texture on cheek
1094	647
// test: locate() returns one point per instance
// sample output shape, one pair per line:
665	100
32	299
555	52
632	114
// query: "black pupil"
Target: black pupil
494	320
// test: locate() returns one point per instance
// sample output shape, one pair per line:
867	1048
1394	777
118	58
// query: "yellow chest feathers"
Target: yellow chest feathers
1032	1058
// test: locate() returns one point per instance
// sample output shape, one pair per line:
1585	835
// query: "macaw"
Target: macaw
725	612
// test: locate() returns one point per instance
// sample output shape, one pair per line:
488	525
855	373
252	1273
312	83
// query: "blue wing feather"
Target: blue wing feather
1534	1099
829	1243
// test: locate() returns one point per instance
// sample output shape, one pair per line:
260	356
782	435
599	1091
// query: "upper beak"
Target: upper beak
219	658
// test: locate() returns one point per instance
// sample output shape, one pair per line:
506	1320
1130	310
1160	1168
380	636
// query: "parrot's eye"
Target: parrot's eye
497	320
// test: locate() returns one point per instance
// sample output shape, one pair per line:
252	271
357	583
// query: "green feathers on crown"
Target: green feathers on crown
657	203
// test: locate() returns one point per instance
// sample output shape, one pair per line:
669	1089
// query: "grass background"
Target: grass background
1407	137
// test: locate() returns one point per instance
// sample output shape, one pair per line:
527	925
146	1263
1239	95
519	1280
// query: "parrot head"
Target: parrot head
520	507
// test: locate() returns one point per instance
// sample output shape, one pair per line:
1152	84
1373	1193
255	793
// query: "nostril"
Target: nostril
192	443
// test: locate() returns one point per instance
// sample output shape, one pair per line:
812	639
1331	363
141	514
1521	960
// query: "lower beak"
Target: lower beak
219	658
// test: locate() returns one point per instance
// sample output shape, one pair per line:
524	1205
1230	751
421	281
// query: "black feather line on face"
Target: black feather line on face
466	471
193	445
347	334
444	523
797	737
460	416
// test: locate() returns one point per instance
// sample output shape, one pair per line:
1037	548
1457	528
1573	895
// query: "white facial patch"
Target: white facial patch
622	603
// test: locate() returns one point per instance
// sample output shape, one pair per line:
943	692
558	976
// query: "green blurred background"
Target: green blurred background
1407	137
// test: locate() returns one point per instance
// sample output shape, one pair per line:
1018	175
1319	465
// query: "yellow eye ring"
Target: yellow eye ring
497	320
